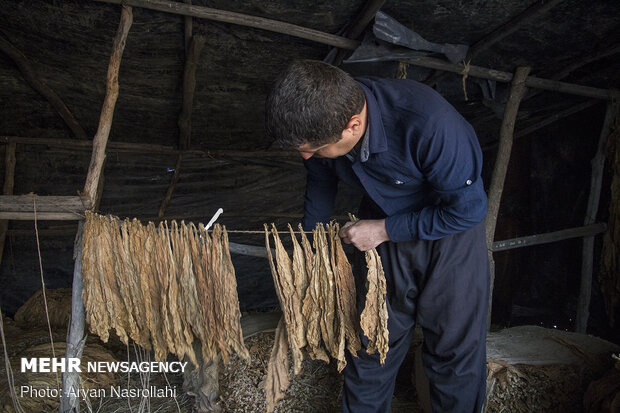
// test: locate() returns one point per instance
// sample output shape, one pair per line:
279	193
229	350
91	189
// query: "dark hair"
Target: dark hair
311	102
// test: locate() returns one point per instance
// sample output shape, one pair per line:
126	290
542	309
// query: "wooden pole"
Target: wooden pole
107	112
501	167
9	184
24	66
76	339
528	241
530	82
596	181
240	19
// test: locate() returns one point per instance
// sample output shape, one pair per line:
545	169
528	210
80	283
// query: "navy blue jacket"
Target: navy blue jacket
423	169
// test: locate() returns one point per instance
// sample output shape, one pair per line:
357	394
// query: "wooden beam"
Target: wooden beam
24	66
359	24
585	231
21	207
501	167
240	19
596	182
500	76
9	183
74	144
76	339
107	112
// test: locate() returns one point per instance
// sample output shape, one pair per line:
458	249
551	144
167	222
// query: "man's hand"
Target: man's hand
365	234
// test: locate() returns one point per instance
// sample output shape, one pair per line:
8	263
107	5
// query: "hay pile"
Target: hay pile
317	296
163	287
32	312
88	380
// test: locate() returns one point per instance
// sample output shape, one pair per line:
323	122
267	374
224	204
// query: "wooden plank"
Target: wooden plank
520	242
26	69
500	76
107	112
41	216
501	167
76	339
240	19
25	203
596	182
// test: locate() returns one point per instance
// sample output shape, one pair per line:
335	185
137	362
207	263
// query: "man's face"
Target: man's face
329	150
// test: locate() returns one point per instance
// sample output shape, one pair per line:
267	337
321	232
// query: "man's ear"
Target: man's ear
354	124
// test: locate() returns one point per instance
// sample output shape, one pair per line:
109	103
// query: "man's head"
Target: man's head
311	106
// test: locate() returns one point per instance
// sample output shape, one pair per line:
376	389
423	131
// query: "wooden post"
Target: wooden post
44	90
107	112
501	167
76	338
9	183
596	181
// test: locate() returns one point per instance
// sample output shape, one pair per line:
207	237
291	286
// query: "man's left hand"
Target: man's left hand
364	234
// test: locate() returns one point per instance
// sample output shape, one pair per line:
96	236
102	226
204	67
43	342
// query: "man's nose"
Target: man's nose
306	155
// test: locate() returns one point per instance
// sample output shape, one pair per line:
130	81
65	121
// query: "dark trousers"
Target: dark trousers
443	285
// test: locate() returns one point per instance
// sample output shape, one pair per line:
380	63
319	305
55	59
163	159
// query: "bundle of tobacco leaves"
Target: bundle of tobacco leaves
163	287
316	290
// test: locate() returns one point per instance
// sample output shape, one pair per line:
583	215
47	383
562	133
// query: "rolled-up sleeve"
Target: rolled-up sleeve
321	189
451	161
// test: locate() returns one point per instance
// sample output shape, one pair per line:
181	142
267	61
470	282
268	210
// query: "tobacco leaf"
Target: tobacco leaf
277	379
289	300
233	314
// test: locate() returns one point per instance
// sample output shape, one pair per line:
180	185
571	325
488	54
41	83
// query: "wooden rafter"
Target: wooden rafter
23	207
240	19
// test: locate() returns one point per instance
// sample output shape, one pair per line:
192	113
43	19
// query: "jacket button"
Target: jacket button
397	182
468	182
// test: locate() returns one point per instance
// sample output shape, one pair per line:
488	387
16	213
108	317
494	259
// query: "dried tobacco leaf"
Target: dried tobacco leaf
233	314
290	301
92	291
277	379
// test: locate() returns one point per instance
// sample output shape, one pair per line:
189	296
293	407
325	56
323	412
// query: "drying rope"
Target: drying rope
47	314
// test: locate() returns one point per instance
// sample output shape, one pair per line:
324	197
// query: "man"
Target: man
418	163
